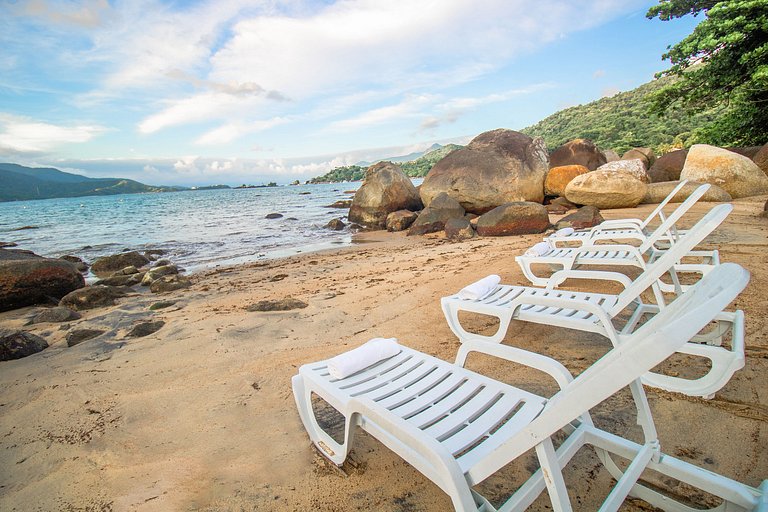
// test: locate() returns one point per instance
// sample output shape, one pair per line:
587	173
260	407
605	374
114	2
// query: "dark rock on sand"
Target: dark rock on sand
386	189
645	155
400	220
584	217
145	329
433	218
518	218
285	304
496	167
119	280
577	152
91	297
55	315
273	216
459	229
18	344
118	262
162	304
80	335
170	284
26	279
335	225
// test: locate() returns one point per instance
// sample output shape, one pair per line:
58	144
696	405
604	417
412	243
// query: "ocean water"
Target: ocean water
198	229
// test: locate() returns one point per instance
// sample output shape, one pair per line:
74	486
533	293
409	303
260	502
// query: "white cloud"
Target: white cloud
23	135
231	131
410	107
89	13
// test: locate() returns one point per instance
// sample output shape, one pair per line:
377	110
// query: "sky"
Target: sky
235	91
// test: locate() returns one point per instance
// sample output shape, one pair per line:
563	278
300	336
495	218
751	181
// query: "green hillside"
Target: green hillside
623	121
19	183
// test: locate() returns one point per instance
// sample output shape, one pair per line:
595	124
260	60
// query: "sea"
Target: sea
197	229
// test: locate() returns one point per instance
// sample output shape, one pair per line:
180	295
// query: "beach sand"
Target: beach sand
200	415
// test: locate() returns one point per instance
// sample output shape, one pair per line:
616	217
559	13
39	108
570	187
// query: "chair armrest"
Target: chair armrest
533	360
619	223
560	276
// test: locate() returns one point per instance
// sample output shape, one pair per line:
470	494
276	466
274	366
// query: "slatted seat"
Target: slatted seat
632	229
593	253
596	312
458	427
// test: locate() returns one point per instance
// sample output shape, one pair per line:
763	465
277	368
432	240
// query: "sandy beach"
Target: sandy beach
200	415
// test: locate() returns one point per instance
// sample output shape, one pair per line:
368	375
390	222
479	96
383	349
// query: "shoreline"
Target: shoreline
200	415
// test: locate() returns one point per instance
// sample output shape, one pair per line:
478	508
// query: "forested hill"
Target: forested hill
18	183
623	121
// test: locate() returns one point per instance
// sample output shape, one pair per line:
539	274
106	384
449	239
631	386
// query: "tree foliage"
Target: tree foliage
723	62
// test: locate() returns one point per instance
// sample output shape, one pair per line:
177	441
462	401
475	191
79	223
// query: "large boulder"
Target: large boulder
578	152
584	217
658	191
386	189
606	189
496	167
668	166
761	158
517	218
91	297
559	177
645	155
26	279
18	344
433	217
635	167
734	173
117	262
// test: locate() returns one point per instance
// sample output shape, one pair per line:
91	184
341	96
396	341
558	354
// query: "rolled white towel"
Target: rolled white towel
564	232
480	289
539	249
371	352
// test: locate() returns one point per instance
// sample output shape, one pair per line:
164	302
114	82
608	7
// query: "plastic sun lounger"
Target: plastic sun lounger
595	312
650	249
623	229
458	427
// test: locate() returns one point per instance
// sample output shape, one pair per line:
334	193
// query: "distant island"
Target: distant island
19	183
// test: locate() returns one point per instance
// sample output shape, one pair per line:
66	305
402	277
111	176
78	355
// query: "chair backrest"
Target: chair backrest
659	209
672	256
669	223
636	354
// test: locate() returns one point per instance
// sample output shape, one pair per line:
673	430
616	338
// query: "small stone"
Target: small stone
162	305
55	315
273	216
335	225
343	203
459	229
170	284
91	297
285	304
584	217
145	329
80	335
18	344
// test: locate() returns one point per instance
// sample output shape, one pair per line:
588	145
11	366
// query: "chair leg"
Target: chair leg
334	451
451	308
553	476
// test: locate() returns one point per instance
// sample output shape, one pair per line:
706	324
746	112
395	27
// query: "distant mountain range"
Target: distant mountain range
402	158
19	183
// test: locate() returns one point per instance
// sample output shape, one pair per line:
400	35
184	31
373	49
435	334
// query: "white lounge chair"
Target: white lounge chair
650	249
624	229
595	312
458	427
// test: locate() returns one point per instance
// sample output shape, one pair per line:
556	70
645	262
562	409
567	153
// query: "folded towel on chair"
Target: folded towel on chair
362	357
480	289
540	249
564	232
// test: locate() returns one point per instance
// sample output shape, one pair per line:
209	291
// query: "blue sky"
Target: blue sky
233	91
